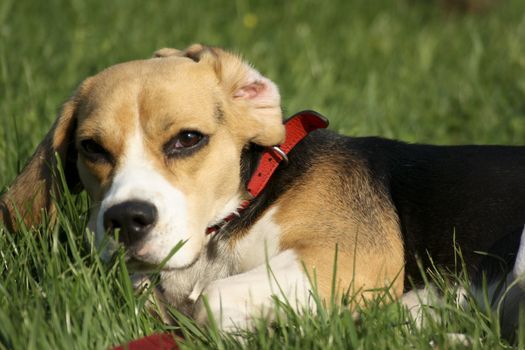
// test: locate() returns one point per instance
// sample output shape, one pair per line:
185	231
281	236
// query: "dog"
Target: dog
190	146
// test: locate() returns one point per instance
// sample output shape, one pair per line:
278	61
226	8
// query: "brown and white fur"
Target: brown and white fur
121	137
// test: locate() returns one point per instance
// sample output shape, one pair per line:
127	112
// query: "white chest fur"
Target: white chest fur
260	243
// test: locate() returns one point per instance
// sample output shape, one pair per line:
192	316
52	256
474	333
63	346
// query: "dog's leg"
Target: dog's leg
498	287
519	266
416	300
236	301
509	301
360	275
421	304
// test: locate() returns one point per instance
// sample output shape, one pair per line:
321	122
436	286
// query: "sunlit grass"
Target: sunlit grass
401	69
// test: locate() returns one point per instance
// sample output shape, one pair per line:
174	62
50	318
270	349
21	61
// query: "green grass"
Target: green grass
401	69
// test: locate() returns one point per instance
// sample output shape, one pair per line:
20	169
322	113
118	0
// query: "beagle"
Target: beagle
180	148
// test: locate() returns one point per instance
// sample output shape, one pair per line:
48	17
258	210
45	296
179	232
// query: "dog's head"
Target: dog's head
157	144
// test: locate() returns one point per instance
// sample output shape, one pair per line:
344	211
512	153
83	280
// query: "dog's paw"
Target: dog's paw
238	301
232	306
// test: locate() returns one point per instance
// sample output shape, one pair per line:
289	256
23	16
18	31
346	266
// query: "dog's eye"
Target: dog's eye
94	151
188	139
184	142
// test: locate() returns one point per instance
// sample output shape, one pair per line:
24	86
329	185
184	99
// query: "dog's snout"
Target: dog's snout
134	219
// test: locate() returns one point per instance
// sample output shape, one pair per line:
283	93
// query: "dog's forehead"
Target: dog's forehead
145	70
180	76
159	90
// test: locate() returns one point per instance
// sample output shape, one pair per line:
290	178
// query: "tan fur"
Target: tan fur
370	248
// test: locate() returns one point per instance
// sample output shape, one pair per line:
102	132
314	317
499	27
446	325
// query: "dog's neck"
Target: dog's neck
277	184
258	165
250	158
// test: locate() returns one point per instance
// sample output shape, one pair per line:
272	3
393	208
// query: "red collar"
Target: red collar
297	128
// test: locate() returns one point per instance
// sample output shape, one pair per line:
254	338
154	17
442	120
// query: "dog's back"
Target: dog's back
467	196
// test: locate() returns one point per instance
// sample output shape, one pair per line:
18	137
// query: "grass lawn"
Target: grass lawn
400	68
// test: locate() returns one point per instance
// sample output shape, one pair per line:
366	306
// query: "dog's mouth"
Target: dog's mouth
137	265
145	257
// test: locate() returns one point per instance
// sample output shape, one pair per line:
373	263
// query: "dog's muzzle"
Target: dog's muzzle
134	219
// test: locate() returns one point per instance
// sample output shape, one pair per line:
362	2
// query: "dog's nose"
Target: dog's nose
134	219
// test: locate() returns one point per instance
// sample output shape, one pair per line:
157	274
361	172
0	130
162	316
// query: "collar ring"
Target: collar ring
280	152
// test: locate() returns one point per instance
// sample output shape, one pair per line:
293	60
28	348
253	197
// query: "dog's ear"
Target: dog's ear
195	52
167	52
255	99
31	192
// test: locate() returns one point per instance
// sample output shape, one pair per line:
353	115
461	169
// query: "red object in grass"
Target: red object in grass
160	341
